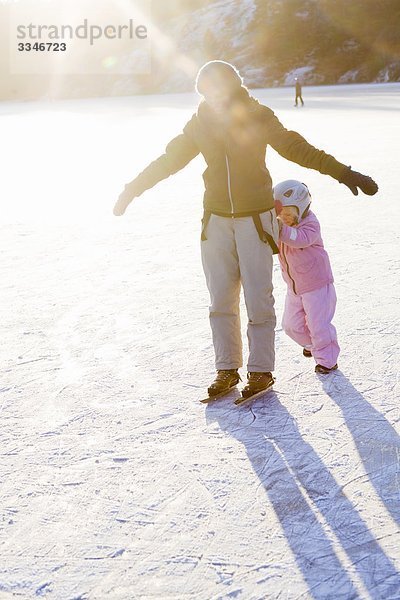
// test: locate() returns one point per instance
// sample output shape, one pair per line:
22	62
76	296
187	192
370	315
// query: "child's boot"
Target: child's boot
324	370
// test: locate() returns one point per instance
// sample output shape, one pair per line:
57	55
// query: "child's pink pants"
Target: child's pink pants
307	320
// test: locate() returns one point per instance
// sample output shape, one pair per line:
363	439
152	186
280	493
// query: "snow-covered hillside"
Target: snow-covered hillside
115	481
272	42
222	28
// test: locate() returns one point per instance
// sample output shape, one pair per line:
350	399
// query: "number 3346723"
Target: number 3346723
42	47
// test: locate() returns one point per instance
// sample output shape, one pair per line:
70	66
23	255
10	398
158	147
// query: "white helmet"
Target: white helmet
292	193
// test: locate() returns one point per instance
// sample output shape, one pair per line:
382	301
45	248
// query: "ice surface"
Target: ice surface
115	481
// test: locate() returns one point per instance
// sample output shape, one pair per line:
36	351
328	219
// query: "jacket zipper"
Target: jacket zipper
288	271
229	182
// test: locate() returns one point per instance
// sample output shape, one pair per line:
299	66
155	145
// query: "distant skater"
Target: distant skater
298	93
311	298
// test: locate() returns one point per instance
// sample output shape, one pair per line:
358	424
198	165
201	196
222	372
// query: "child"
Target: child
311	298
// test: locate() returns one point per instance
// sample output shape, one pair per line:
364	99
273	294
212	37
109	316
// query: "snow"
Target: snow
228	22
220	17
115	481
350	76
391	71
301	73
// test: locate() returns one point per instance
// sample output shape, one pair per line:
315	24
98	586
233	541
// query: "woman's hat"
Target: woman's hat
215	73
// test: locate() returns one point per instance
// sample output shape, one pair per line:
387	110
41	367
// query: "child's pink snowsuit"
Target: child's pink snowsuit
311	298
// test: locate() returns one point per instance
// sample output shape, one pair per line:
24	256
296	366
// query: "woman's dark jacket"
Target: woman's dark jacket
236	179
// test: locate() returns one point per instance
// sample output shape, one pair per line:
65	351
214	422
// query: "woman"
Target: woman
232	129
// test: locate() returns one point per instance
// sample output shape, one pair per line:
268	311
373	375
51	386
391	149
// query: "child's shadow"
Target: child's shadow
377	442
300	488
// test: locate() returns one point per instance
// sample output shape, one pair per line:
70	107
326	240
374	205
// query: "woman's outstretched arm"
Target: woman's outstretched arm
178	153
294	147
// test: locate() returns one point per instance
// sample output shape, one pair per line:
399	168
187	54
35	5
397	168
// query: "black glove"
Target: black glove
355	180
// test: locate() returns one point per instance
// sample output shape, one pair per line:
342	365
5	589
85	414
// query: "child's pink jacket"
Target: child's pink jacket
304	261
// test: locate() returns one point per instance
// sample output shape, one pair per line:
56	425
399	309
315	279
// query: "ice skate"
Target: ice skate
225	381
325	370
257	384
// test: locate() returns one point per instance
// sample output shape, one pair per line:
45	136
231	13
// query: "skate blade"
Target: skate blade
242	400
218	396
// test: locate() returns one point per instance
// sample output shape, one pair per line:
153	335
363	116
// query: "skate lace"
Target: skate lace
256	376
223	375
